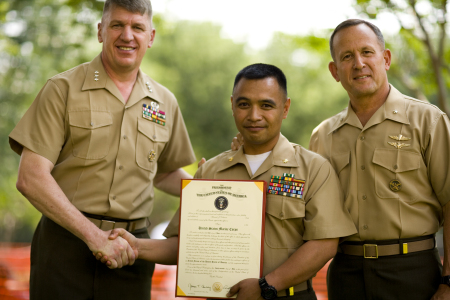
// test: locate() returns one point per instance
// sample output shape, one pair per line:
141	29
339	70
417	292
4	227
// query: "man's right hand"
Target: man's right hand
237	142
116	252
119	234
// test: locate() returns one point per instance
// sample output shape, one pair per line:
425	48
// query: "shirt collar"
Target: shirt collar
283	154
394	108
97	78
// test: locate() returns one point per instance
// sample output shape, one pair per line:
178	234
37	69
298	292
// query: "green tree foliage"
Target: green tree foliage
314	94
421	64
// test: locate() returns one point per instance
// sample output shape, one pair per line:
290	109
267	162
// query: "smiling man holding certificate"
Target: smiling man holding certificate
305	214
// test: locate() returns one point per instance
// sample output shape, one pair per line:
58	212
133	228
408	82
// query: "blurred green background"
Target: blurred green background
39	39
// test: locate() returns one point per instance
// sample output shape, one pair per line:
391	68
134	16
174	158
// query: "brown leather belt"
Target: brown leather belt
106	223
374	250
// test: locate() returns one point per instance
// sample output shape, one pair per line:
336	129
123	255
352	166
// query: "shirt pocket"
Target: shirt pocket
341	164
393	167
90	133
151	140
284	222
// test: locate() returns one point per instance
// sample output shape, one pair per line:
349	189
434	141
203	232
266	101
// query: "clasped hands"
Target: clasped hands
118	250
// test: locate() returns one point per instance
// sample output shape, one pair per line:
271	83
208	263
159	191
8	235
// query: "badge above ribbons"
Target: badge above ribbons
151	112
286	185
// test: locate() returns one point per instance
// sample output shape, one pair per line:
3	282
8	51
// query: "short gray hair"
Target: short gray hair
355	22
135	6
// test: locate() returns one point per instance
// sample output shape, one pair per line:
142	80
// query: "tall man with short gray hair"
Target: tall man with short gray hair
93	144
390	152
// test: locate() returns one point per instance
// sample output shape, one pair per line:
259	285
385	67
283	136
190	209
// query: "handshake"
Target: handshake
120	250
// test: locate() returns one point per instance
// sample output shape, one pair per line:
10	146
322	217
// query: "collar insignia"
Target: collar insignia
149	87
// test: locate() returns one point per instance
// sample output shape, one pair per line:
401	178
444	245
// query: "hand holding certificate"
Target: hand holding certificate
220	236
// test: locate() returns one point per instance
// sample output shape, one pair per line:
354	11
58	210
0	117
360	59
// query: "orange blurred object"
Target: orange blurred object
14	271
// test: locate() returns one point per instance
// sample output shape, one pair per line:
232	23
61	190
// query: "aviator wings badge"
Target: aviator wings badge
400	138
398	145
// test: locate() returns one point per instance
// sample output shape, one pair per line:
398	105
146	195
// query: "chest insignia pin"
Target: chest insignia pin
395	185
151	155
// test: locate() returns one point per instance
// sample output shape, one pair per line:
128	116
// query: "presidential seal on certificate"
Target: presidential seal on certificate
220	236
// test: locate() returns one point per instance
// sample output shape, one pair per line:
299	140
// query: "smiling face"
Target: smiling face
259	107
125	37
360	62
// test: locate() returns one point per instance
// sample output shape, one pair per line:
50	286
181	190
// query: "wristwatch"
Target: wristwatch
444	280
268	292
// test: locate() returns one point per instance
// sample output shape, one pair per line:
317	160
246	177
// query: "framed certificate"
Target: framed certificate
221	235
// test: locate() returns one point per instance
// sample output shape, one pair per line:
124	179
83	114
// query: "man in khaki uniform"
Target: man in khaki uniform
391	153
93	144
302	229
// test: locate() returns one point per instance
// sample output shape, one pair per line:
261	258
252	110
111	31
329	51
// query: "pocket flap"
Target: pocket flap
396	160
282	207
340	161
153	131
90	119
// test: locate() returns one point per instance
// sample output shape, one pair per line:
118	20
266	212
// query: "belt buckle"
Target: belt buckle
376	250
112	223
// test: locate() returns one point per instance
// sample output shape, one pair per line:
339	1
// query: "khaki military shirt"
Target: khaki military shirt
105	153
394	171
320	214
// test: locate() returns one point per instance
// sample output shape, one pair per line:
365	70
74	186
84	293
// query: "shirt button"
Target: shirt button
363	167
365	227
114	197
362	138
124	137
92	123
154	136
364	197
395	167
281	215
120	167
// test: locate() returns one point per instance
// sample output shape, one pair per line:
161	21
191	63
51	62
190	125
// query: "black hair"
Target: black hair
261	71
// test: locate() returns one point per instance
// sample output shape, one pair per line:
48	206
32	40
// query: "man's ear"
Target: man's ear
387	59
287	105
231	98
333	70
152	38
99	33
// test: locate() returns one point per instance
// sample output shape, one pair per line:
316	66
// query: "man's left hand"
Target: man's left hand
443	293
247	289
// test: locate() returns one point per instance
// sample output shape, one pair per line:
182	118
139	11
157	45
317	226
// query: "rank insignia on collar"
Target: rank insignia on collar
286	185
398	145
153	113
149	87
399	138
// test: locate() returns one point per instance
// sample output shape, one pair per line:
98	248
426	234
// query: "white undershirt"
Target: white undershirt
255	161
